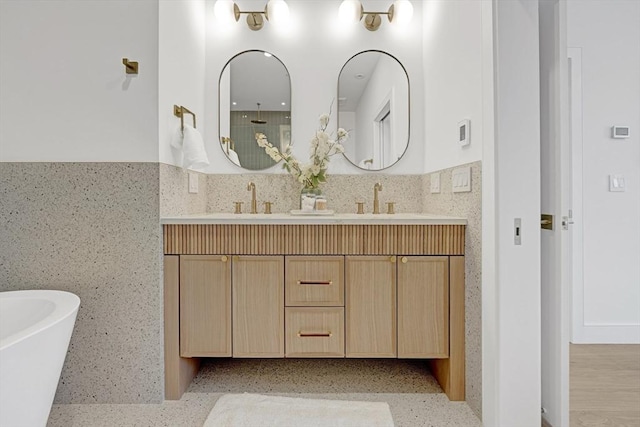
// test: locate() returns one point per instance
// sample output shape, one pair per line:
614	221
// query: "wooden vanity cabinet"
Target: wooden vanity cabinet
370	325
205	306
314	281
315	331
258	306
423	307
315	306
366	291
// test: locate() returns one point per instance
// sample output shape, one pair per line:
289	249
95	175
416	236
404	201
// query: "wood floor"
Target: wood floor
604	385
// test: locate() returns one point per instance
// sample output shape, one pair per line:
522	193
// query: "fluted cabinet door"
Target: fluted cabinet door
258	306
370	306
205	306
423	307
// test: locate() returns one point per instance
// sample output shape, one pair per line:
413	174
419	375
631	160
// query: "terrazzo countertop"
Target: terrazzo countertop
309	219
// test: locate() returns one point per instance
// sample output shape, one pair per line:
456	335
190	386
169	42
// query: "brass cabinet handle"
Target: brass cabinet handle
392	259
405	260
314	334
315	282
224	258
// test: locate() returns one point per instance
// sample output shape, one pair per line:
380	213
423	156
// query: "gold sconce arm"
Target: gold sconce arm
352	10
226	12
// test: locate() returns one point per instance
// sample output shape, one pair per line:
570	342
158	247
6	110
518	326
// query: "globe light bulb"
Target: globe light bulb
277	11
350	11
402	12
223	11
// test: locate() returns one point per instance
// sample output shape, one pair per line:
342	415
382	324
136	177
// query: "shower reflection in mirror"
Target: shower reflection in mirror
254	97
373	104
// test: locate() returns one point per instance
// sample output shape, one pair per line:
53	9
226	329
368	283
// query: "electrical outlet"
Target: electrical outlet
193	183
435	182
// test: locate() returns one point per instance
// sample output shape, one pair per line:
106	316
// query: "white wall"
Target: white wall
453	73
181	70
387	84
608	35
348	121
65	94
511	189
314	48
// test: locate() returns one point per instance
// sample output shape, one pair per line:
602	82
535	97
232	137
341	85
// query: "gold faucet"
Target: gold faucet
376	202
254	205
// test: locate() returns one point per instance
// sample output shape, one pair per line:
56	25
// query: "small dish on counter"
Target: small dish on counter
324	212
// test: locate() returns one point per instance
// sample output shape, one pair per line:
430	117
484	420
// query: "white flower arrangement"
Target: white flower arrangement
322	148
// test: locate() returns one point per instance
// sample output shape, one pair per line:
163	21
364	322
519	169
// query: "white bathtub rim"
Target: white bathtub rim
66	305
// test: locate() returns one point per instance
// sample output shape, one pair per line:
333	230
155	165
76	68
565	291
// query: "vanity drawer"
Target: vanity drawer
314	332
314	281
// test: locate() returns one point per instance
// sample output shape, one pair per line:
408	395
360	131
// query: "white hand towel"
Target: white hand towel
176	141
195	156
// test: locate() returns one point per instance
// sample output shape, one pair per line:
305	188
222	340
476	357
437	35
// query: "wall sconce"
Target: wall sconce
276	11
351	11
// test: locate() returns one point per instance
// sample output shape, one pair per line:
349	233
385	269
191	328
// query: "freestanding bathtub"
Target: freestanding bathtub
35	329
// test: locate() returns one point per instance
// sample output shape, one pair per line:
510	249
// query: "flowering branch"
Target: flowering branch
322	148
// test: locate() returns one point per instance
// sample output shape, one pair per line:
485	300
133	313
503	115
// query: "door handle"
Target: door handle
546	221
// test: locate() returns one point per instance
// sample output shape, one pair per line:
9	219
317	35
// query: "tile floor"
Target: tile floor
407	386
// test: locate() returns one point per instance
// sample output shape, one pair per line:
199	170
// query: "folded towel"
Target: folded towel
176	140
192	145
233	156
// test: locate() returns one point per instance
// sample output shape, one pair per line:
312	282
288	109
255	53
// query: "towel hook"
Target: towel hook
131	67
179	111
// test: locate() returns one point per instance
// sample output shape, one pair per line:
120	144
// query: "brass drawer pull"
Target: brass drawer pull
314	334
315	282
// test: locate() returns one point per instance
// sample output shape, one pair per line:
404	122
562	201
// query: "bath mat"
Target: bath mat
253	410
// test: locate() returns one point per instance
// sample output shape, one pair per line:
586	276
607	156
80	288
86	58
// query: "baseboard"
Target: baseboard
606	334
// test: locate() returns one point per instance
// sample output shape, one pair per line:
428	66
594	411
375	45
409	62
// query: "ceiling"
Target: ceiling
258	78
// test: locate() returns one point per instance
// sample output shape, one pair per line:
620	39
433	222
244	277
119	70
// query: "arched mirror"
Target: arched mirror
254	97
373	105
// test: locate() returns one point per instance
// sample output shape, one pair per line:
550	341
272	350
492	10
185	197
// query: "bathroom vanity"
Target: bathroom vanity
354	286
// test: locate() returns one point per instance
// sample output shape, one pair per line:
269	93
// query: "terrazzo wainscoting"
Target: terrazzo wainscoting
175	198
92	229
467	205
342	192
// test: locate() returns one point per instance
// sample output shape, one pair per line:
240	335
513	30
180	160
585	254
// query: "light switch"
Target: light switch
616	183
461	180
193	183
435	182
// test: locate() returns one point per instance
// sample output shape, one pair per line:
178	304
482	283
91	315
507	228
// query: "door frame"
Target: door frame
557	183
